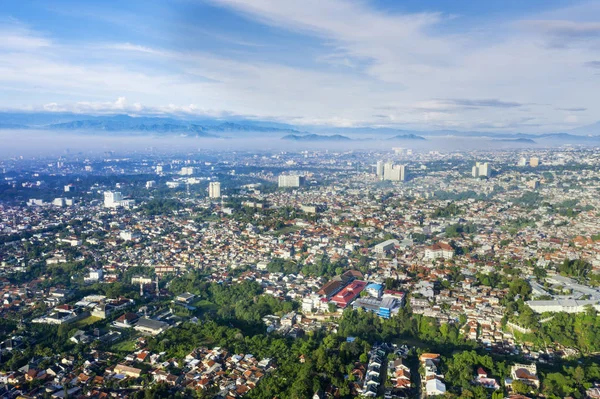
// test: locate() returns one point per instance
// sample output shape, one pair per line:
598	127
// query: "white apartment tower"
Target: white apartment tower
290	181
379	171
393	172
187	171
481	169
214	189
112	199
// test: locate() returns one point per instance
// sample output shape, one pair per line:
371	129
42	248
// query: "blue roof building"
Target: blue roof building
375	290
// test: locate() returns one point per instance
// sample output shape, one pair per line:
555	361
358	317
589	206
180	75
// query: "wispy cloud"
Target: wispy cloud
565	29
592	64
136	48
16	36
122	106
573	109
565	33
365	66
493	103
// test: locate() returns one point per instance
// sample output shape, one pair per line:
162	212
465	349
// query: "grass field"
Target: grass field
124	346
85	322
205	306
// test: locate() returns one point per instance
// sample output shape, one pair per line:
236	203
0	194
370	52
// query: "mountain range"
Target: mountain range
315	137
140	125
408	136
221	128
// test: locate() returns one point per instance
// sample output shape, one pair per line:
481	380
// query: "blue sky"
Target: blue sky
486	65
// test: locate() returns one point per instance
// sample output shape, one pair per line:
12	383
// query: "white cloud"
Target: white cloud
135	48
571	119
380	68
121	105
17	37
501	62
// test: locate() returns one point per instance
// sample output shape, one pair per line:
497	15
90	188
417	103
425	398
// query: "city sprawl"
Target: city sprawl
393	273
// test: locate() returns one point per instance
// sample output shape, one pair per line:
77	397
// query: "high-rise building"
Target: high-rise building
60	202
481	169
534	162
187	171
114	199
150	184
379	170
291	181
214	189
69	188
522	161
159	169
393	172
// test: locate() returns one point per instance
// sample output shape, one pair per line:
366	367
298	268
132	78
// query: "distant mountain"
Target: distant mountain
159	125
12	126
375	132
315	137
568	137
140	125
187	125
519	140
409	136
593	129
119	126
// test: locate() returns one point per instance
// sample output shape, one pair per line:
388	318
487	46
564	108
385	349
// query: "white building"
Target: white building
60	202
93	276
111	198
214	189
187	171
114	199
393	172
435	387
35	202
481	169
152	327
129	235
563	305
262	265
379	171
291	181
150	184
439	251
135	280
526	373
385	246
